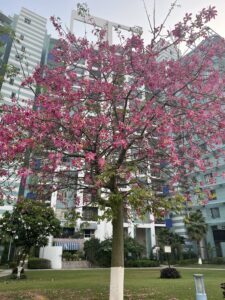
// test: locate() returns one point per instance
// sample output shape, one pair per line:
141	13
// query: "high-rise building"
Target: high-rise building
208	197
21	50
206	190
25	54
5	41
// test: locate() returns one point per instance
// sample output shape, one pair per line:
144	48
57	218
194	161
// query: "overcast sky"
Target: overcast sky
126	12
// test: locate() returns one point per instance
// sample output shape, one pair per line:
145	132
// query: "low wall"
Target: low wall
54	254
69	265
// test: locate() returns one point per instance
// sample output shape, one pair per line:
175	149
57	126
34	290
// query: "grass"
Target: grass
203	266
94	285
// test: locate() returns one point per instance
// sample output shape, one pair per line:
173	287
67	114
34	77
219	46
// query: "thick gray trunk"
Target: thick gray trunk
117	263
199	253
117	239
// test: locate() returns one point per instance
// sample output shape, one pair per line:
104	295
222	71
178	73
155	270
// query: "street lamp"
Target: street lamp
200	287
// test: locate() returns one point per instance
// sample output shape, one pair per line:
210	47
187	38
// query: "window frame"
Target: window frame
27	20
215	212
11	81
13	95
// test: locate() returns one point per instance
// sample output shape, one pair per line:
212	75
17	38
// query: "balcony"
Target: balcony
211	181
89	213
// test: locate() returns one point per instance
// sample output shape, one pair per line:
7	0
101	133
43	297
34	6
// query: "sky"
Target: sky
125	12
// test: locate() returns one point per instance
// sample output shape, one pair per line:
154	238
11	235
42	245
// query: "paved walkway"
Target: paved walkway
7	272
199	268
4	273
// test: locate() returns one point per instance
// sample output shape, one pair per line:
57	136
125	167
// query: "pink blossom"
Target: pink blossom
90	156
101	163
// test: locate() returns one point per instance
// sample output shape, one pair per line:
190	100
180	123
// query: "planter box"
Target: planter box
81	264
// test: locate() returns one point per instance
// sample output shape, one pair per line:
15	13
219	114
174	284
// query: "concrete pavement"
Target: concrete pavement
6	272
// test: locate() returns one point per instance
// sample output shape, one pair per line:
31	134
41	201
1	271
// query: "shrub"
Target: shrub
189	254
39	263
80	255
99	253
142	263
74	256
222	285
169	273
4	257
132	249
190	261
103	253
217	260
90	249
67	255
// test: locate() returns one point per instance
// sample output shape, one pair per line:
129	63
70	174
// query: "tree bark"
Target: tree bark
117	263
199	253
21	262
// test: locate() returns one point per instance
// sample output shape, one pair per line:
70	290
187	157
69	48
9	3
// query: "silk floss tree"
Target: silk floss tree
108	113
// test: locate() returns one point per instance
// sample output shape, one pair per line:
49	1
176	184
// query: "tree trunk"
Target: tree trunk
19	270
199	253
21	261
117	263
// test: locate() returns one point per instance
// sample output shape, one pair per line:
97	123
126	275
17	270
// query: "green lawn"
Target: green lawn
93	284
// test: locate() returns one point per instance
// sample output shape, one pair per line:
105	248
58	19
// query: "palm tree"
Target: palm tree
196	229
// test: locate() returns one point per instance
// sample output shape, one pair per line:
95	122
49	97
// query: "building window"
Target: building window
209	178
22	37
88	233
215	212
18	57
11	81
90	213
88	196
27	20
23	49
13	94
67	232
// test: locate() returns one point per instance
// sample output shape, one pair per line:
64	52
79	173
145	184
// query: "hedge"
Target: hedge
185	262
39	263
142	263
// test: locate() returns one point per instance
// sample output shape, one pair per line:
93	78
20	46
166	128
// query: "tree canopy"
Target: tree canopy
112	112
111	118
29	225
